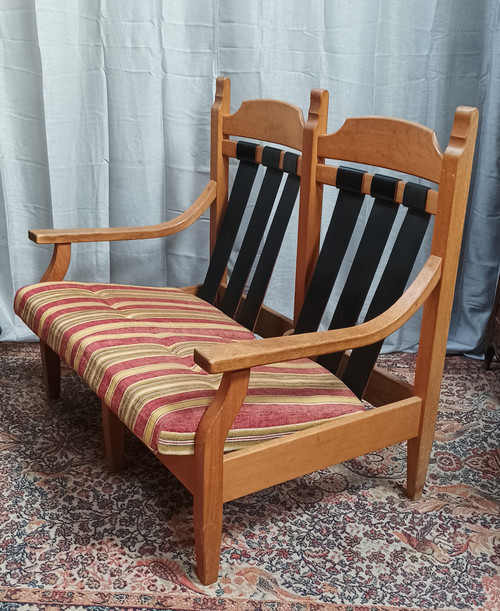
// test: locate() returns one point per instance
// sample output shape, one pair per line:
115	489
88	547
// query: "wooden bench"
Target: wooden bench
230	414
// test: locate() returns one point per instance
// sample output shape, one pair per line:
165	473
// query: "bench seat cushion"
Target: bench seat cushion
134	347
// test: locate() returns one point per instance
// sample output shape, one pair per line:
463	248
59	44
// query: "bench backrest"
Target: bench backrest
375	232
393	221
261	238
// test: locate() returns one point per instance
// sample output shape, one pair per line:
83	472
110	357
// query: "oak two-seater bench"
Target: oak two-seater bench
229	394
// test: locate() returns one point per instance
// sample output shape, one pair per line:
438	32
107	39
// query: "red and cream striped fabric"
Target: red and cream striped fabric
134	348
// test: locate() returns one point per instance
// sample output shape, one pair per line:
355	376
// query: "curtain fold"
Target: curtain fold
104	120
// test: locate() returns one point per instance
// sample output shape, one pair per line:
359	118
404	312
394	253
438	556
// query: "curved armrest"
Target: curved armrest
220	358
68	236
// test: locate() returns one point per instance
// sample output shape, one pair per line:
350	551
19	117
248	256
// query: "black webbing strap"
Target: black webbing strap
255	231
257	290
245	151
271	157
384	187
335	243
392	283
290	161
415	196
365	261
349	179
243	182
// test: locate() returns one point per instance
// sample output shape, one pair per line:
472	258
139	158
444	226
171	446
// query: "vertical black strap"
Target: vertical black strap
257	290
335	243
392	283
243	182
337	238
365	262
254	233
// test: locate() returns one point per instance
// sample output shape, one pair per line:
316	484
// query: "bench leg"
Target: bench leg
418	456
419	448
419	451
114	439
208	533
51	370
209	469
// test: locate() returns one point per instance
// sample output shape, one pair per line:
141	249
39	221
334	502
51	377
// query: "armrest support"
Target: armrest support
68	236
219	358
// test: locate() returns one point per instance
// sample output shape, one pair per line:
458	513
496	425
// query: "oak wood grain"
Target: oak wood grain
273	121
346	437
390	143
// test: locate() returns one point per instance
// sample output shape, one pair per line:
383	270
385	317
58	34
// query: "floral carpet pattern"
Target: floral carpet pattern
72	536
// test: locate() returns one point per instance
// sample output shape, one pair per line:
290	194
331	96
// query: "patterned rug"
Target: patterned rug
72	536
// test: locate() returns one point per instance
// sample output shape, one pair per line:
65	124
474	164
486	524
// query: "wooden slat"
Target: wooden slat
389	143
268	120
327	174
317	448
229	150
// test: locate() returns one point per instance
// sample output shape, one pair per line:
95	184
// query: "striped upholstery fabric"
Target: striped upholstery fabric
134	348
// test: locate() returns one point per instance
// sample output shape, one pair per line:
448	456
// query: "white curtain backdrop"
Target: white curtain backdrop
104	119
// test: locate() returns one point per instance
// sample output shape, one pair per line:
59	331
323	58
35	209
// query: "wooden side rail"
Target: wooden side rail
331	443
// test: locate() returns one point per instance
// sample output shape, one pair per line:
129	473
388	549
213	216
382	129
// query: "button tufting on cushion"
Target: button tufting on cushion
134	347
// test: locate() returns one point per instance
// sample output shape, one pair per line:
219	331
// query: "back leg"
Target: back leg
114	439
51	369
488	357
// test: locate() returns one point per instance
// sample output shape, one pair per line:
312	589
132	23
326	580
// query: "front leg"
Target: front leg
208	493
51	363
207	512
